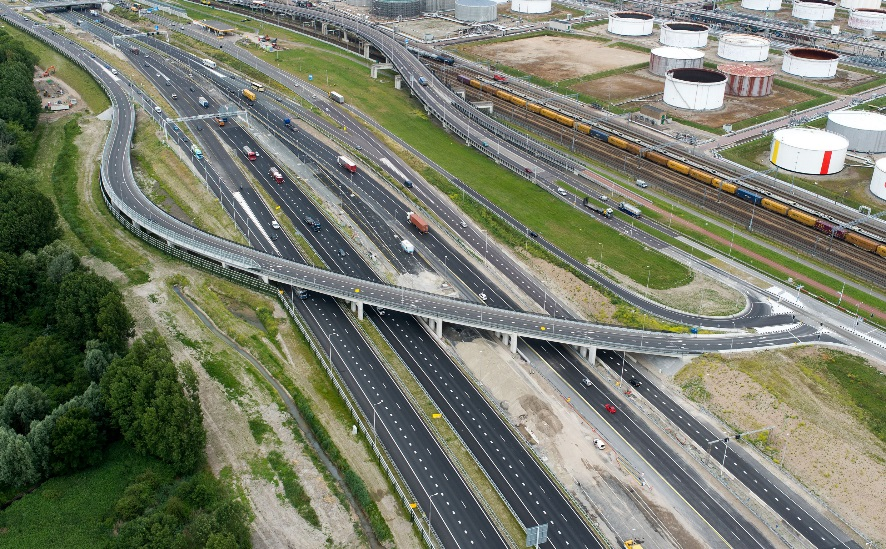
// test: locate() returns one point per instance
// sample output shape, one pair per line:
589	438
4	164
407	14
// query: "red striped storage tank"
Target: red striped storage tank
748	80
809	151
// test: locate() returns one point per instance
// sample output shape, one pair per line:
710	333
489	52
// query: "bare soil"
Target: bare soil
52	89
816	437
556	58
622	87
736	109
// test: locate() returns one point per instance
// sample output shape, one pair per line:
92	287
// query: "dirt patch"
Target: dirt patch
622	87
556	58
588	302
54	91
736	109
816	438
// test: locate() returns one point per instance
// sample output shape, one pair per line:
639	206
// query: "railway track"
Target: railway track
840	254
810	203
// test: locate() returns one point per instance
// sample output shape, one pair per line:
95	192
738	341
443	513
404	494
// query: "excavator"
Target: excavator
633	544
50	70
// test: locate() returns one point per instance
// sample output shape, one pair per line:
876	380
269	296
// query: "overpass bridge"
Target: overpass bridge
150	222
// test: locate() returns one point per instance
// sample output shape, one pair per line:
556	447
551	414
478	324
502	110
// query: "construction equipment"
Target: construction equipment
633	544
50	70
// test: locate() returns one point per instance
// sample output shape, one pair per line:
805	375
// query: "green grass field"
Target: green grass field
75	511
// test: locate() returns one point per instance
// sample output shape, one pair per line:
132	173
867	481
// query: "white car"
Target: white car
599	444
586	382
158	109
274	224
561	191
482	296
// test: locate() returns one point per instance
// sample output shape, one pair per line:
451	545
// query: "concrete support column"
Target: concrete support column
359	310
398	82
324	28
513	343
264	279
366	50
438	329
353	306
344	35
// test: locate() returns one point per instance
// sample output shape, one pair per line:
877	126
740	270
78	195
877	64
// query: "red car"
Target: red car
610	408
499	78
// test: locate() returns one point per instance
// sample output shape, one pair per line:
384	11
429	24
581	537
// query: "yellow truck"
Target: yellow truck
249	94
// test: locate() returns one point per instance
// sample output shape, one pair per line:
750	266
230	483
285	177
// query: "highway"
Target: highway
409	441
353	272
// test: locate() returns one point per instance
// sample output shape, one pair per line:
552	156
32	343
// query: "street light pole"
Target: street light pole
431	507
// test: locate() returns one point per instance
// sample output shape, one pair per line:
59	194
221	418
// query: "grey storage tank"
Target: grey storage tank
661	60
865	131
391	9
476	11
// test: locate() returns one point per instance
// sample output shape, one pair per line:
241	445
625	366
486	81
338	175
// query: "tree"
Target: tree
151	408
95	363
12	285
77	441
91	307
17	460
22	405
15	142
28	220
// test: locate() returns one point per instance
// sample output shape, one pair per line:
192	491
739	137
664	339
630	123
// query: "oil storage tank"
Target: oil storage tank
878	181
860	4
865	131
748	80
684	35
695	89
476	11
814	10
761	5
531	6
809	151
391	9
630	23
867	19
661	60
745	48
810	63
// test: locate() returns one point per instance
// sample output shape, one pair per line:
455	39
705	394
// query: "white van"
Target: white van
599	444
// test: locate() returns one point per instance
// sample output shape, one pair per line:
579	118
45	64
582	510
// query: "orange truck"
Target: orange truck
416	220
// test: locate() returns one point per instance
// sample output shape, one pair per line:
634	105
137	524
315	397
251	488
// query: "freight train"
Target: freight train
702	176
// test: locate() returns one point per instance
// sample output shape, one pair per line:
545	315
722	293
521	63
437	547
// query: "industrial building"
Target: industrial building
808	151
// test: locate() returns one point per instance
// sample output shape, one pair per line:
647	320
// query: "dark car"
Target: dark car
341	252
533	234
635	382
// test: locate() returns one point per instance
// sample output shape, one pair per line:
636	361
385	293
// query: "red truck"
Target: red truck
416	220
347	164
499	78
275	174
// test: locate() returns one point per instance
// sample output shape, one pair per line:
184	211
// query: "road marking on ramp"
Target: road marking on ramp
258	226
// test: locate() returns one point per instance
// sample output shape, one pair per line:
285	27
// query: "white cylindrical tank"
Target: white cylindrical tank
746	48
531	6
748	80
684	35
630	23
661	60
814	10
695	89
878	182
761	5
860	4
809	151
359	3
810	63
868	19
865	131
476	11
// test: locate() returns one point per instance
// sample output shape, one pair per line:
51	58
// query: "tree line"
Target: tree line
72	380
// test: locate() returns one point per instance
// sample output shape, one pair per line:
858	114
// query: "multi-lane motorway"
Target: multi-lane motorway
402	328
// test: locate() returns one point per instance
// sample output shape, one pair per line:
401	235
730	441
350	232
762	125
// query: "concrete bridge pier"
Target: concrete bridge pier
357	307
589	352
366	50
324	28
398	82
373	70
435	324
508	339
